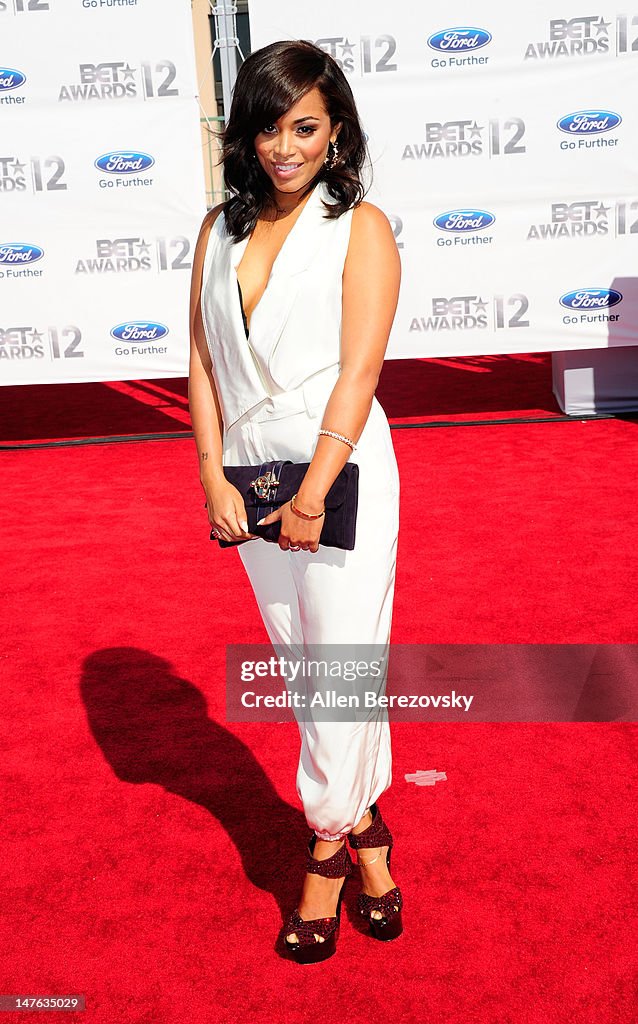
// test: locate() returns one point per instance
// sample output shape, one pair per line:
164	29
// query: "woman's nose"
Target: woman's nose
285	145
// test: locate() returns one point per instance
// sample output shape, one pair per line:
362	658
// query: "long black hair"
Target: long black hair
269	82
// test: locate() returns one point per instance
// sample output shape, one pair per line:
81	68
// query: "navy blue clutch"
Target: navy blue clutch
266	487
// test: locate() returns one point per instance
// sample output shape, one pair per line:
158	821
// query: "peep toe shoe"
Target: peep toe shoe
389	923
309	949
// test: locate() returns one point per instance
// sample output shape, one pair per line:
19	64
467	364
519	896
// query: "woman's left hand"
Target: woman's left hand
296	532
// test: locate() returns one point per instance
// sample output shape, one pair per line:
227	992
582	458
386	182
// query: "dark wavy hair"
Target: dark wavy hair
269	82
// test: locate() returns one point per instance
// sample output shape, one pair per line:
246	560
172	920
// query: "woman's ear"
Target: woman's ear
335	132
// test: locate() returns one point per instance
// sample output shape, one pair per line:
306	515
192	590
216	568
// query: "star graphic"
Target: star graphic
18	168
475	129
143	248
601	211
347	48
128	72
36	337
602	26
480	305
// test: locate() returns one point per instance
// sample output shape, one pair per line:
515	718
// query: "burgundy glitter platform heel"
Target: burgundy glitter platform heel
390	924
308	950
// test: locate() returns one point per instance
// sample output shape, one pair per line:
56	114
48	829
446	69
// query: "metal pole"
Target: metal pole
227	42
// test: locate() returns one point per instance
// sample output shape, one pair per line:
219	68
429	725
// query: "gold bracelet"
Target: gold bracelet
304	515
339	437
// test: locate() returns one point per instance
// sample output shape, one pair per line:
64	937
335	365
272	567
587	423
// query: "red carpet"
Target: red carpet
410	390
152	849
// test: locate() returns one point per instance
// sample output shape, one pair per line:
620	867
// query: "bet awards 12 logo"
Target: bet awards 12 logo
24	6
117	80
35	174
586	218
459	139
134	255
473	313
22	344
586	36
366	55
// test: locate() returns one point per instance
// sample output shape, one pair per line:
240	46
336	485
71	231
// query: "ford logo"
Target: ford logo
459	40
11	79
589	122
464	220
18	254
121	161
139	331
591	298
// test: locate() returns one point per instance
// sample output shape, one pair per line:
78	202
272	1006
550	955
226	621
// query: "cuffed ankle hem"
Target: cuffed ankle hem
328	837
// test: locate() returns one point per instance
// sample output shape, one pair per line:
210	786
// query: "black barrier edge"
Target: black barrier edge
123	438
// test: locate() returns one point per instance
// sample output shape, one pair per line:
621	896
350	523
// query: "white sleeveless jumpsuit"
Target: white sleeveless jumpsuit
273	389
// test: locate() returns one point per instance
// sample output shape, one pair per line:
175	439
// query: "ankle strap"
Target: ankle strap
376	834
336	866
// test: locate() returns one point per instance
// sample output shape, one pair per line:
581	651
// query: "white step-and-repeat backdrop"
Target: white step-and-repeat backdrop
505	145
101	188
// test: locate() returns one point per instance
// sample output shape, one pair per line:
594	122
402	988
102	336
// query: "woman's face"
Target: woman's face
292	151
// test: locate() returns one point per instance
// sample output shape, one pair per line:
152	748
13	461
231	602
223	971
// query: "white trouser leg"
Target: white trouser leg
334	597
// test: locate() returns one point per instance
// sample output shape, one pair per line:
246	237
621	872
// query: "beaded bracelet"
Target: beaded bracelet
339	437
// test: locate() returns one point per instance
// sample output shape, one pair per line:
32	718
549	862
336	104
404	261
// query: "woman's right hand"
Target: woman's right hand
226	511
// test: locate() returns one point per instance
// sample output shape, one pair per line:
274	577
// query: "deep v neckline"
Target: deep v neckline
240	251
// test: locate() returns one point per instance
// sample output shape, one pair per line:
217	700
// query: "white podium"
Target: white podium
589	381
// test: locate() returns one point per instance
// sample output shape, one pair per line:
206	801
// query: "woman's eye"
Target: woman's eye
304	129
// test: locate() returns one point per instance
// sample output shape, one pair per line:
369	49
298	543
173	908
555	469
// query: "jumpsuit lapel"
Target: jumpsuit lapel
271	313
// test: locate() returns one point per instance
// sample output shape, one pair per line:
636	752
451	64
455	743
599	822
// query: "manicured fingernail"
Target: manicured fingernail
244	525
261	521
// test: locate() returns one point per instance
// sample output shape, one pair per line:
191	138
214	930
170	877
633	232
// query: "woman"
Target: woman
294	290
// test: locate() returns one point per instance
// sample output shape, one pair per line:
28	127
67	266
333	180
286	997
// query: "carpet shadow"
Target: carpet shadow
153	726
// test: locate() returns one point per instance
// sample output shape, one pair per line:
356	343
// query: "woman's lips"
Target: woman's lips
285	170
